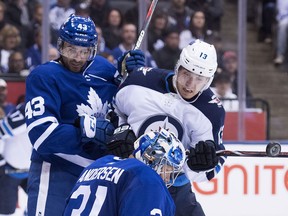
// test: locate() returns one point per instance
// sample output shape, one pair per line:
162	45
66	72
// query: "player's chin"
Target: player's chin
75	68
186	94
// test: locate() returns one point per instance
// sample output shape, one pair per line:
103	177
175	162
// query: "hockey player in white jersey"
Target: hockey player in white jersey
182	102
66	104
15	160
124	187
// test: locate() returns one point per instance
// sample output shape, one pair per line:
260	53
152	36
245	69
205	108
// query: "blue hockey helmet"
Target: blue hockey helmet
159	150
78	31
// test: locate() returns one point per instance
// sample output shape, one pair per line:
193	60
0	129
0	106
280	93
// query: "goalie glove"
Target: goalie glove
203	157
121	143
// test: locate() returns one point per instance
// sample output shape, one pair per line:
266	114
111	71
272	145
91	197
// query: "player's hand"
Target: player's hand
203	156
130	60
121	143
92	128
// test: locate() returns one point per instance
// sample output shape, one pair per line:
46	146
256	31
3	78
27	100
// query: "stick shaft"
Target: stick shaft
146	24
248	153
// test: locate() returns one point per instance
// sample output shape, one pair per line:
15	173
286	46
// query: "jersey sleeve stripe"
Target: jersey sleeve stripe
7	128
47	132
19	130
41	121
2	132
76	159
43	188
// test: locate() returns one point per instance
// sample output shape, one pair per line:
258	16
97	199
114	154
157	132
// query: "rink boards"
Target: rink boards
247	186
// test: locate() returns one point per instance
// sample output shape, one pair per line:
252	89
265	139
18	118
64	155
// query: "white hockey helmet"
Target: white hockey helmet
199	58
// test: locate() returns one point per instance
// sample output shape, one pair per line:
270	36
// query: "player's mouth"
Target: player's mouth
188	90
76	64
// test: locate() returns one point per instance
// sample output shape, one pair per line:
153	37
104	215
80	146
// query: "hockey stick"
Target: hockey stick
146	24
141	35
273	149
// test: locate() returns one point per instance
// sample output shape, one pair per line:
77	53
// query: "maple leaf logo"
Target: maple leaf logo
96	108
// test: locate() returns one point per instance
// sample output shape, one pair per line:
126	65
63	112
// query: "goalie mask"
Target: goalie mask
80	33
163	152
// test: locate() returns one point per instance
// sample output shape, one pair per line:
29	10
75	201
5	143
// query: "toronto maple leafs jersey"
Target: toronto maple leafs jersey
17	147
55	97
122	187
147	101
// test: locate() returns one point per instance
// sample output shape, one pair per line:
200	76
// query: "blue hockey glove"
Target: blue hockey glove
98	129
203	157
130	60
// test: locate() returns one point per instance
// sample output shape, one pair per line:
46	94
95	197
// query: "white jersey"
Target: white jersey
17	147
168	111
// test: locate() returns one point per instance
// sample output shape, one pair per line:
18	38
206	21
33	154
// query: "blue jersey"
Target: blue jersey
147	101
55	97
124	187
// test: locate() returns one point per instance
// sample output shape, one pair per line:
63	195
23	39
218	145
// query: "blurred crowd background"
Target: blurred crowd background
175	24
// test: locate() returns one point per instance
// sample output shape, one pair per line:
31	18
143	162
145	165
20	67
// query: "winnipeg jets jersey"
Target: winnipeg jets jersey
147	101
17	147
122	187
55	97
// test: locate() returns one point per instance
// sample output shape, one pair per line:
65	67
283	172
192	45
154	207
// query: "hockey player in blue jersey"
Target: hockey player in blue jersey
182	102
66	104
124	187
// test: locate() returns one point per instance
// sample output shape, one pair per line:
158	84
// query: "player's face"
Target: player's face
189	84
166	172
75	57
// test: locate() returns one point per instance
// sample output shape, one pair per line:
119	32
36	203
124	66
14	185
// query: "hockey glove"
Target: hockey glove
122	141
203	157
130	60
92	128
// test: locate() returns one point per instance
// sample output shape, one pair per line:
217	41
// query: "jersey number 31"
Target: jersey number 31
100	195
